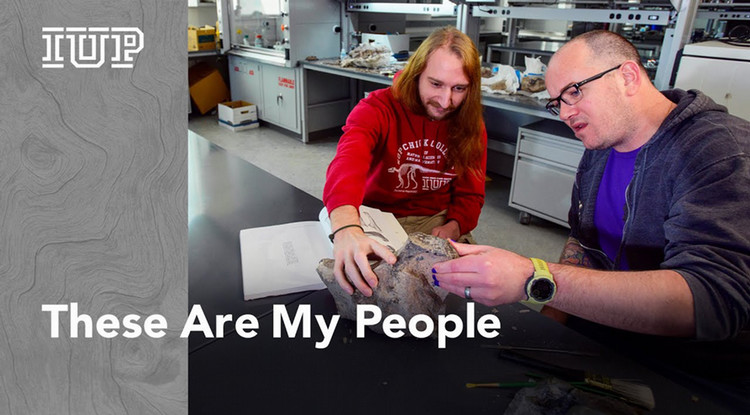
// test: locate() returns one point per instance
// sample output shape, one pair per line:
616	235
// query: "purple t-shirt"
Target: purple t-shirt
610	210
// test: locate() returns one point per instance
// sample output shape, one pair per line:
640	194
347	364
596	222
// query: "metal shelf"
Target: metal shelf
645	14
407	8
654	17
723	15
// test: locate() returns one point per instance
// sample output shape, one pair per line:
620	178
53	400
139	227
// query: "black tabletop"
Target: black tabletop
286	373
227	194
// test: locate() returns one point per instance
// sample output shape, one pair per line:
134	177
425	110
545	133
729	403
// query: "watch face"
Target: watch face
542	289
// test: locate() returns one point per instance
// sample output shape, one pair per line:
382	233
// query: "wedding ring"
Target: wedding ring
467	293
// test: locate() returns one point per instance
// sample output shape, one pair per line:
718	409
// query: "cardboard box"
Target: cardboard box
255	124
396	43
238	115
201	38
207	87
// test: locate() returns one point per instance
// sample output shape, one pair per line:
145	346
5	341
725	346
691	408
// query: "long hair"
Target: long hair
465	123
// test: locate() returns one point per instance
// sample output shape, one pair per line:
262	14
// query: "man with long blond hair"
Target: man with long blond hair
417	149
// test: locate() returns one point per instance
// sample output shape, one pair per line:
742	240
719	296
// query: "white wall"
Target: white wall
201	16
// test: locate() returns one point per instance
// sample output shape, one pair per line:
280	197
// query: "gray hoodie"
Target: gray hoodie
688	209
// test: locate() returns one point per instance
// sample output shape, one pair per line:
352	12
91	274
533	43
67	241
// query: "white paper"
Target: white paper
282	259
381	226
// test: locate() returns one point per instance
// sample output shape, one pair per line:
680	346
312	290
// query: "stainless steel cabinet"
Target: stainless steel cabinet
547	156
245	81
273	89
280	96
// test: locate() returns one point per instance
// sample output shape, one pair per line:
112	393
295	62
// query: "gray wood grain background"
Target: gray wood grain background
92	210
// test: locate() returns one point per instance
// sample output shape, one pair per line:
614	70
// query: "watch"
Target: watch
540	287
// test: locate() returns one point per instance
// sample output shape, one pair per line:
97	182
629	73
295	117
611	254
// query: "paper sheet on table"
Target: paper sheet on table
282	259
381	226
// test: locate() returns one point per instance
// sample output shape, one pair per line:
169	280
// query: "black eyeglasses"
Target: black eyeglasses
572	93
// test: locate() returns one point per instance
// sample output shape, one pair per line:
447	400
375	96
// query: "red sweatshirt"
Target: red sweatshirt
393	160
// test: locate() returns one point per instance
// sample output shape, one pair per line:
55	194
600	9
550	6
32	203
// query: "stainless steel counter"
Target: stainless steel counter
262	55
202	53
333	66
516	102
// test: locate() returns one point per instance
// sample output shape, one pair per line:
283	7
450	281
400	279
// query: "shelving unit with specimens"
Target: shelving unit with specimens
545	153
525	132
655	27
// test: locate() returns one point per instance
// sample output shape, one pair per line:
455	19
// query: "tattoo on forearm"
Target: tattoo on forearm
574	254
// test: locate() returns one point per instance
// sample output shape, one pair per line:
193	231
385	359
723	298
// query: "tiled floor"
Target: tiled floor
304	166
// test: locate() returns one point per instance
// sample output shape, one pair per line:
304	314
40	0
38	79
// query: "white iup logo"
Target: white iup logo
91	46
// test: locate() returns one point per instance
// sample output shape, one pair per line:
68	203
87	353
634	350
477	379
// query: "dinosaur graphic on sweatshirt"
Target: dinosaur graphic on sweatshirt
407	177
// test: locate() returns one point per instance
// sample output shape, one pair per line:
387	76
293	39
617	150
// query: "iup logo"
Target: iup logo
91	47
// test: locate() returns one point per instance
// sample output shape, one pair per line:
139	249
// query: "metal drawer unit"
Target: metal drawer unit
547	156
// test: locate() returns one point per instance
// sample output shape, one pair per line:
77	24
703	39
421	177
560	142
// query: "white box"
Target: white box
255	124
396	43
238	115
719	70
717	49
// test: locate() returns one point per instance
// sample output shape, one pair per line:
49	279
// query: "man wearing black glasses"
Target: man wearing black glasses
660	215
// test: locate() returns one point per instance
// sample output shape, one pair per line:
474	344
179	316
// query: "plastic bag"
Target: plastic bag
367	56
503	81
532	79
534	66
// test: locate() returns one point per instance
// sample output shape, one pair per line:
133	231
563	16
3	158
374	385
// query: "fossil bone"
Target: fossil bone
405	288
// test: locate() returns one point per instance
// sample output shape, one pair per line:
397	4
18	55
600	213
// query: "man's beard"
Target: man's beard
445	112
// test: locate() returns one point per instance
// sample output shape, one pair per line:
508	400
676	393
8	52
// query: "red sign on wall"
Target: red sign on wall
286	82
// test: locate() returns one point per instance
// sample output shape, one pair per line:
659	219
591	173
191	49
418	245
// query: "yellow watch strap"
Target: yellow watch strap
541	265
